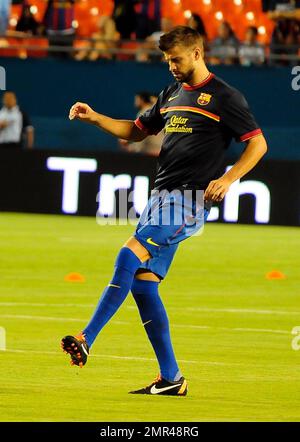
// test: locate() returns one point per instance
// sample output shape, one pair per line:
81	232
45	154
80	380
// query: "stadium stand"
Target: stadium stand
239	13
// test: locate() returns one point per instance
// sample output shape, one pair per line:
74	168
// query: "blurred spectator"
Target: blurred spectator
152	144
166	25
280	6
4	15
285	42
196	22
125	18
148	18
15	127
251	52
58	21
27	23
103	41
285	39
153	98
145	53
224	47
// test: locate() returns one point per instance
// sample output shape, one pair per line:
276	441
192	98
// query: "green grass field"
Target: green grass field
231	326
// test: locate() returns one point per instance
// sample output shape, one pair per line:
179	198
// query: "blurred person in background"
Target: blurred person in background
145	53
166	25
102	41
282	8
152	144
224	47
196	22
285	42
251	52
58	22
125	17
4	15
15	128
148	18
27	23
285	39
153	98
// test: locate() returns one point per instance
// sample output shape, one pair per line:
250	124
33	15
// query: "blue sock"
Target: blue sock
114	294
156	323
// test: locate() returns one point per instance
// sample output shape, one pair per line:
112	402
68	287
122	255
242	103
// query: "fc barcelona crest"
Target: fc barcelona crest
204	99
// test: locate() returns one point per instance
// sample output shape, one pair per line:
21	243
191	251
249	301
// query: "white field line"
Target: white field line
129	358
53	318
198	327
238	329
232	310
42	304
244	310
200	309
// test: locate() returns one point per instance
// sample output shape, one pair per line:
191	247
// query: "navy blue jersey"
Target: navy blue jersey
59	15
199	123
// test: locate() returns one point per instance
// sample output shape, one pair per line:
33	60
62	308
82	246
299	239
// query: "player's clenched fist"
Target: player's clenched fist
83	112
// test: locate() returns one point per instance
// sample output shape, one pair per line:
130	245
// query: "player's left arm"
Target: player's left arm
255	150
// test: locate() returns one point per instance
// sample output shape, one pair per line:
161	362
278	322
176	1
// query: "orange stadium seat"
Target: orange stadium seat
87	21
15	10
41	8
232	11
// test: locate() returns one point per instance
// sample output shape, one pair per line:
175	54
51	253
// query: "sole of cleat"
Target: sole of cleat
72	349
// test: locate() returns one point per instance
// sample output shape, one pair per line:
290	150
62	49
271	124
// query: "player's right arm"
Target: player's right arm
125	129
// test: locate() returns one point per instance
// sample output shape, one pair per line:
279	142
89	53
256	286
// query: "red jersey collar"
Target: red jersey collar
197	86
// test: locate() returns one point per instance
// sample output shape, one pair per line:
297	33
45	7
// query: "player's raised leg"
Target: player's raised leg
129	259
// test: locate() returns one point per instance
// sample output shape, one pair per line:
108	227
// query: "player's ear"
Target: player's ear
198	54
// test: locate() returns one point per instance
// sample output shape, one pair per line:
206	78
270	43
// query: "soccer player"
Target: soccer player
200	114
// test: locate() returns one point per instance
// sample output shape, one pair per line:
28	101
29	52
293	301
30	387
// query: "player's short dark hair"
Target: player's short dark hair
181	35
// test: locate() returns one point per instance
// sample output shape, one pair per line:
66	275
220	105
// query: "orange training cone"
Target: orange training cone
74	277
275	274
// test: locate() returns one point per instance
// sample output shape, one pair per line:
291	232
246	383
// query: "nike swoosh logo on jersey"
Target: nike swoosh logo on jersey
155	390
173	98
149	241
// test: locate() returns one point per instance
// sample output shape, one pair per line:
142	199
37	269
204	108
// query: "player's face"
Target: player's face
181	62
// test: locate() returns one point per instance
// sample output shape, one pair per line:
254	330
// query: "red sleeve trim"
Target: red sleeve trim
251	134
142	127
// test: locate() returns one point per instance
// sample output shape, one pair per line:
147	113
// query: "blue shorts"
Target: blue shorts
168	219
